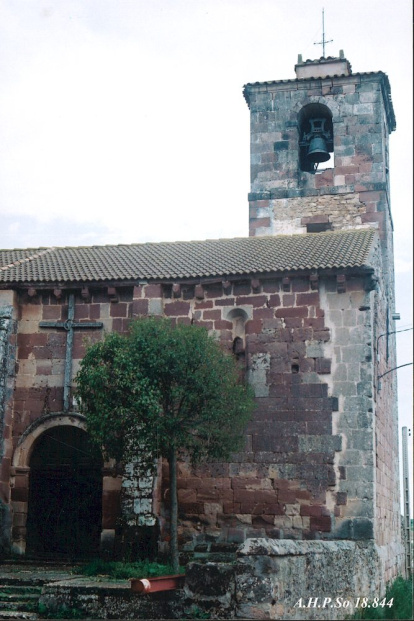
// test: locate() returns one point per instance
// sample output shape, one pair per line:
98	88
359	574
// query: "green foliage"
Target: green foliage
402	606
163	387
63	612
124	571
197	613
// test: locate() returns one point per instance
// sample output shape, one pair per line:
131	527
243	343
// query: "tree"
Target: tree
163	391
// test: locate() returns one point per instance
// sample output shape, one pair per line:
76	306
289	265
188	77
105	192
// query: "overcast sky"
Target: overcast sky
123	121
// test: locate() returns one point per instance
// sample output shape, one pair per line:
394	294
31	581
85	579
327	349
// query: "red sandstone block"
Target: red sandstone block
263	313
318	428
259	223
254	496
254	326
320	523
118	309
186	495
308	299
32	340
19	494
322	335
302	334
137	292
230	508
262	508
82	311
370	196
317	323
223	325
94	311
224	302
212	314
288	496
373	217
293	311
139	307
254	300
274	300
52	312
288	299
310	510
153	291
177	308
189	483
214	494
324	178
192	508
5	468
260	204
202	304
320	219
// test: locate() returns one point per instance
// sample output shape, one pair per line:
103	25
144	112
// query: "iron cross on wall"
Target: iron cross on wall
69	325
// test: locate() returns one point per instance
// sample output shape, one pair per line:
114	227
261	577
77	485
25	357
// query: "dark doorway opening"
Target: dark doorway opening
65	495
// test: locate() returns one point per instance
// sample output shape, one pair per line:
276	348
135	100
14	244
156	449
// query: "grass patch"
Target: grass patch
63	612
401	593
124	571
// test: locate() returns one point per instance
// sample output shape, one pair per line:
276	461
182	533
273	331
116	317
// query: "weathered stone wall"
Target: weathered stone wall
354	192
269	579
269	488
7	375
288	580
307	470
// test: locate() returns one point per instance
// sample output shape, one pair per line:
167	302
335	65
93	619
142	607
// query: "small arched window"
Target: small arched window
315	138
238	317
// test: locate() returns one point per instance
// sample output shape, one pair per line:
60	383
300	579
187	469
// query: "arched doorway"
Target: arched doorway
64	517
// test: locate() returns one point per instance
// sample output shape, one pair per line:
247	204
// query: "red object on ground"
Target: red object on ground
162	583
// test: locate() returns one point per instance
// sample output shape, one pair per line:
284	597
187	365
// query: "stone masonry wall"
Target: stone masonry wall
354	192
287	580
7	374
306	471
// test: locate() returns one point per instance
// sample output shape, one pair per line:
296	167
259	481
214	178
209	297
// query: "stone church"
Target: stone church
306	303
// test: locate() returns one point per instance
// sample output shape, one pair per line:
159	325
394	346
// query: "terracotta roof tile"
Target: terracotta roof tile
191	259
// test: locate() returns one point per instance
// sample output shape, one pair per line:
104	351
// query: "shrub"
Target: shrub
400	591
124	571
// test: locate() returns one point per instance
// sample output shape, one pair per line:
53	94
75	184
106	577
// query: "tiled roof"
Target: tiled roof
190	259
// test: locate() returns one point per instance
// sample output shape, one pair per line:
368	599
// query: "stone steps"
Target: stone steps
21	586
19	601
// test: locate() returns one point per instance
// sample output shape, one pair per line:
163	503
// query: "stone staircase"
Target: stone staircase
19	601
21	585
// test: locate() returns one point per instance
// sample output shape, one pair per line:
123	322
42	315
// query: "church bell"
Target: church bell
316	141
318	150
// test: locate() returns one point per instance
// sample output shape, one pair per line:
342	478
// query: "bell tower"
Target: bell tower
319	150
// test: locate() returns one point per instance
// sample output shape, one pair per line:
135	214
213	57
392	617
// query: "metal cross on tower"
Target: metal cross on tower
69	325
324	41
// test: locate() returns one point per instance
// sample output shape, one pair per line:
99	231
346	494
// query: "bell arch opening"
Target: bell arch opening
316	138
64	510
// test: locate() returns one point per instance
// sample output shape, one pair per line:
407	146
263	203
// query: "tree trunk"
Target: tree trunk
172	462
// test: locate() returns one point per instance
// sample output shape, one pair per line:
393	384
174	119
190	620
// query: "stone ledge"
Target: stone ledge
288	547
